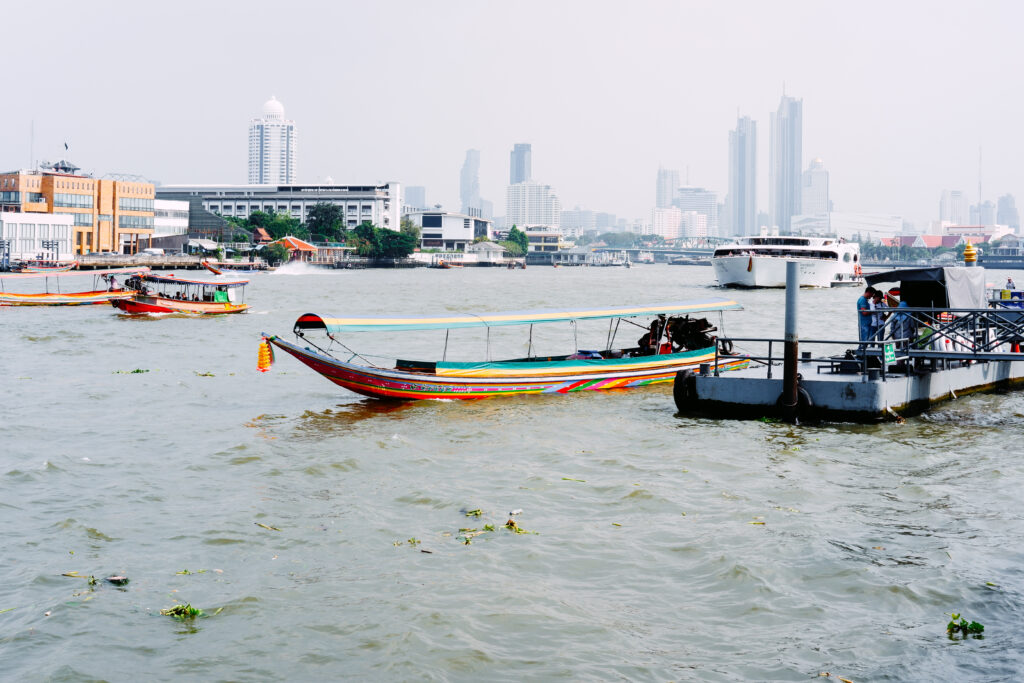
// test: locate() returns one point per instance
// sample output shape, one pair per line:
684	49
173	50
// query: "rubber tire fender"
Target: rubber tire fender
684	391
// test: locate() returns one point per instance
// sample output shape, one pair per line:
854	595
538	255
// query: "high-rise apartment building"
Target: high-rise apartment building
469	182
784	163
815	189
520	163
272	147
953	208
1006	212
703	202
668	182
530	204
742	201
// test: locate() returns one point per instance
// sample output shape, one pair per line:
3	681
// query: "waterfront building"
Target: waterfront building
26	236
1006	212
531	204
953	207
704	202
272	140
449	231
379	204
544	240
784	163
668	181
415	197
815	189
469	181
742	201
107	214
520	164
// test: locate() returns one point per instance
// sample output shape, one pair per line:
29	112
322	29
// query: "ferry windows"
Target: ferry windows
846	257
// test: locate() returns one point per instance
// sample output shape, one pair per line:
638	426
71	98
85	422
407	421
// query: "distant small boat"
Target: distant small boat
212	268
47	267
170	294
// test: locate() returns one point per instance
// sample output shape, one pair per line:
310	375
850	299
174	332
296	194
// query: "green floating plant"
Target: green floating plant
962	626
186	611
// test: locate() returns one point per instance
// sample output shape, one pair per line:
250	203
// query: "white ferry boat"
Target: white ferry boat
760	261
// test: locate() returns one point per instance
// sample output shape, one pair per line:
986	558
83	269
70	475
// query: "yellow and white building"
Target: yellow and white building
107	215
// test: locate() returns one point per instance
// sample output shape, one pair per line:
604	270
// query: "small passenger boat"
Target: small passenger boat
170	294
672	342
109	292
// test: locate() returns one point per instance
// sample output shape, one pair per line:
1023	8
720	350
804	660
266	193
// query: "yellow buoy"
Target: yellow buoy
266	356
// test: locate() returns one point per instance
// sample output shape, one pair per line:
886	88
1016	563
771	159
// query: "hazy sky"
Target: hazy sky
897	97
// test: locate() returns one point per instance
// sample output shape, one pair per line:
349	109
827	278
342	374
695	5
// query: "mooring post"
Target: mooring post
790	398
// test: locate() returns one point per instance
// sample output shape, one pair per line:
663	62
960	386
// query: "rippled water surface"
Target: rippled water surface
661	547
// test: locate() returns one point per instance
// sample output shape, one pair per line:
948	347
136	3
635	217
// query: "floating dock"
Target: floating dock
842	396
945	339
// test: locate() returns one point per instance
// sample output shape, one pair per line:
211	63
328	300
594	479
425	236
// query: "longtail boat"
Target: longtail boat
169	294
110	293
47	267
672	342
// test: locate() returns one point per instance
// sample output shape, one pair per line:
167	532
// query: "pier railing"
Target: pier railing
912	340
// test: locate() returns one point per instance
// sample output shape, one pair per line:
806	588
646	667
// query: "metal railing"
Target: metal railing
915	339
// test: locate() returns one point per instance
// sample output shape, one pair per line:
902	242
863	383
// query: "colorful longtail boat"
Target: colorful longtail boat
91	297
170	294
673	341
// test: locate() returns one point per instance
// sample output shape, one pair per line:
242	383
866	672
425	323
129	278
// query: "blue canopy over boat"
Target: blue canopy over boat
311	321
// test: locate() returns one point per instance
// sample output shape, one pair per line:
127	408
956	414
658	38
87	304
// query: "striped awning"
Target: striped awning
311	321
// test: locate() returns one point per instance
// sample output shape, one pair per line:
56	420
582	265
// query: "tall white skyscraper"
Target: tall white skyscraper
668	182
815	189
469	181
520	168
272	147
531	204
742	201
785	155
953	207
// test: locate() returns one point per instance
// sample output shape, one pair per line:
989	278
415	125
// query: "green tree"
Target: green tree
395	244
259	219
518	237
327	220
514	248
275	253
410	228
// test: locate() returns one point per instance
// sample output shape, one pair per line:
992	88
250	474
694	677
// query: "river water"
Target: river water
665	548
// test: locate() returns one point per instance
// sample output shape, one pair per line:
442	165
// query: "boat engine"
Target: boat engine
690	333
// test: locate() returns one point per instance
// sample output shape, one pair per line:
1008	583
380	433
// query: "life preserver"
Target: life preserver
857	271
726	346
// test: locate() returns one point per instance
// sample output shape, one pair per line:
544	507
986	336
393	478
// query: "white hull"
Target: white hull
770	271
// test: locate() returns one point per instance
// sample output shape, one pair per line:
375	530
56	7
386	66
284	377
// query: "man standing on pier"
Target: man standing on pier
865	314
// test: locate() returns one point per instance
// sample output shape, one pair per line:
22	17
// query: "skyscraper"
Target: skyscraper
469	181
785	153
953	207
742	201
520	163
1006	213
530	204
272	147
668	182
416	197
815	189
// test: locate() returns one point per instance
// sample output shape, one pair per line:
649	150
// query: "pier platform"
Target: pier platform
843	396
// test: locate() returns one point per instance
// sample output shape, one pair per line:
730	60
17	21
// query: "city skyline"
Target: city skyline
870	104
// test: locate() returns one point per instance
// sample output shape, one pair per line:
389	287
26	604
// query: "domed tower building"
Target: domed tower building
272	147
